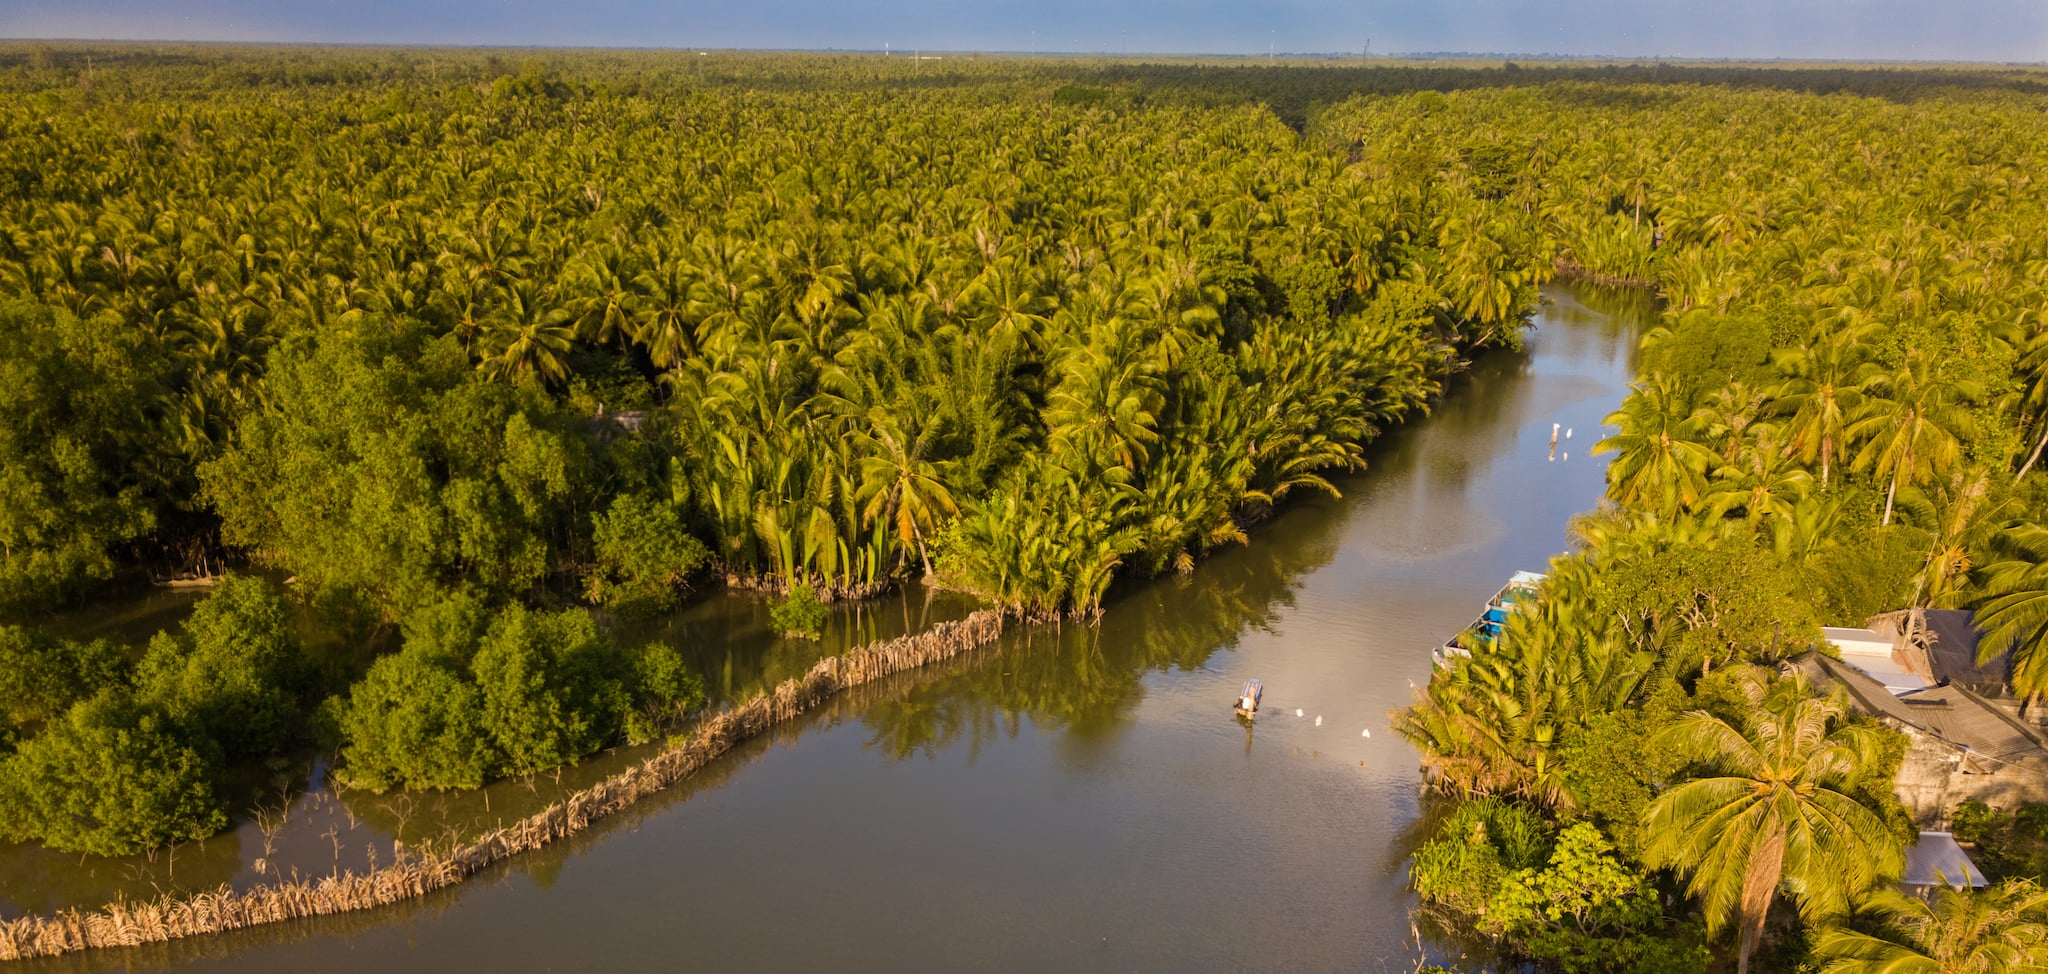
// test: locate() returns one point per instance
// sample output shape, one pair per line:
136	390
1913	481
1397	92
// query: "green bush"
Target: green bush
1473	851
113	777
233	672
1588	912
662	687
42	676
644	556
799	613
547	695
469	700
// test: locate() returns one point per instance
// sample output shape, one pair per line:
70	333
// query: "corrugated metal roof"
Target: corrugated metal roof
1951	713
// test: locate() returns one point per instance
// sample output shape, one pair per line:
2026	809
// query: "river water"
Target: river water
1078	798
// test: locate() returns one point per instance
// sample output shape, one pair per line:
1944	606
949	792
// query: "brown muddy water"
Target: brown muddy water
1077	798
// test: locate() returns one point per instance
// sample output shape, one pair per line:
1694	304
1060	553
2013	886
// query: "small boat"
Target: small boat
1486	628
1248	701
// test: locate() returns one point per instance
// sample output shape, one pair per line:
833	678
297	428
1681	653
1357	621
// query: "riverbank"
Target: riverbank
419	873
1075	797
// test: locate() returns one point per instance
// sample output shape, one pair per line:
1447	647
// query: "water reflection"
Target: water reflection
1076	797
290	820
1085	682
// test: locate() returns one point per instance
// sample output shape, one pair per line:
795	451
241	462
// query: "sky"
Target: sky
1969	30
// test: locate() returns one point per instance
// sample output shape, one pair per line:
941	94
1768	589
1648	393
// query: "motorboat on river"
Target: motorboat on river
1248	700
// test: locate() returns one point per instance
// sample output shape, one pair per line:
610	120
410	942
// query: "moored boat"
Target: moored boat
1486	629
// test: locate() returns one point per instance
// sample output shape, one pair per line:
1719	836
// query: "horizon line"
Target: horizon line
1537	57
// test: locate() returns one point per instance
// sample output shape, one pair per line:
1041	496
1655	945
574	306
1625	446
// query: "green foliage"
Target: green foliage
476	695
42	676
661	687
131	762
2011	844
415	720
383	468
1568	902
644	555
234	671
76	476
1701	602
1617	763
1078	95
1473	851
1858	581
1586	911
1704	352
111	777
546	695
799	613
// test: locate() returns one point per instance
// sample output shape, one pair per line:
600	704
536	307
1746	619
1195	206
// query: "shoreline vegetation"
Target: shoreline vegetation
1840	415
456	348
419	872
459	347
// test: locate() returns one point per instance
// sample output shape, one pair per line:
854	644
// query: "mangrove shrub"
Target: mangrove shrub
74	476
385	469
233	672
113	776
644	555
42	676
473	697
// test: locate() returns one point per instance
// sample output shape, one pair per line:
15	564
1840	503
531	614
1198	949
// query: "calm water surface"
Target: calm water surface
1077	799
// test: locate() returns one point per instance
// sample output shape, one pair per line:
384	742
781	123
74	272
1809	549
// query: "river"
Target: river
1080	798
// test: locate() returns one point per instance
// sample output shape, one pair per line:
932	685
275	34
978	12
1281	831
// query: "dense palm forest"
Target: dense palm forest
1840	415
452	349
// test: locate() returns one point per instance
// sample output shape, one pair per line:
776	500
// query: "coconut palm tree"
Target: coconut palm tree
1823	393
1661	462
2012	608
2001	930
1770	808
1911	425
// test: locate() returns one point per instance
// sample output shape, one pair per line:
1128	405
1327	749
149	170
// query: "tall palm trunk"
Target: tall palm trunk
1905	467
2032	457
1757	892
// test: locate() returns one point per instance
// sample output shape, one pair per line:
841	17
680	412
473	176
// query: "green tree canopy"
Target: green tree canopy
1772	804
384	468
233	672
112	777
75	473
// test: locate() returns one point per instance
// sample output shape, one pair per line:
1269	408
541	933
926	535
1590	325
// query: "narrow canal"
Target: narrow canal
1082	798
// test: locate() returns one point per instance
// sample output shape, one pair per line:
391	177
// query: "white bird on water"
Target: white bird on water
1319	720
1365	733
1297	711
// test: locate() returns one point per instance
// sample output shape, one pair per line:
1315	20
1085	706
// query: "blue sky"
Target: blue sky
1988	30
